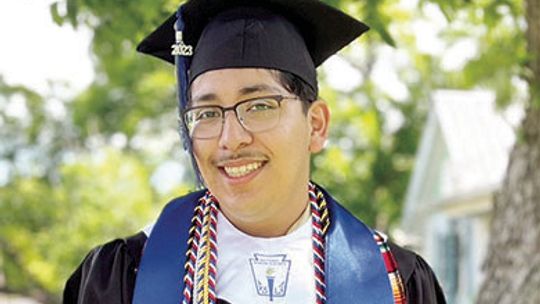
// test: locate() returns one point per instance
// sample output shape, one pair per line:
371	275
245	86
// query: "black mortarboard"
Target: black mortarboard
291	35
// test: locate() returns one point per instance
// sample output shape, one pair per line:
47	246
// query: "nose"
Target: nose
233	135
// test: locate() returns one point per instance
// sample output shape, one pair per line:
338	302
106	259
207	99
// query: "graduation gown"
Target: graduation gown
107	274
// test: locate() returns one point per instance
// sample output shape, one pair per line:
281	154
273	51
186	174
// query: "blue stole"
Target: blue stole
355	271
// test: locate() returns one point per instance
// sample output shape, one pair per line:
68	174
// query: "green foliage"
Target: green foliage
129	87
55	14
33	102
366	167
498	28
47	228
376	17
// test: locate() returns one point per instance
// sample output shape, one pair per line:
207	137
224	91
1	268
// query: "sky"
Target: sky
34	50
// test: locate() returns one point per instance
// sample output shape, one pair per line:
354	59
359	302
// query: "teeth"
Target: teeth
242	170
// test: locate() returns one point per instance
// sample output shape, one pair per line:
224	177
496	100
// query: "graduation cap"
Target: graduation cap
294	36
290	35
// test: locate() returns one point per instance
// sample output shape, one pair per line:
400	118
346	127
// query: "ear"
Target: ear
318	118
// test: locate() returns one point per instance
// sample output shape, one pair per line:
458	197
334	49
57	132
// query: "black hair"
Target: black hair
293	84
298	87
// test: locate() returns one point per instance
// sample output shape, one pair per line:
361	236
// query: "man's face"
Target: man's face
260	174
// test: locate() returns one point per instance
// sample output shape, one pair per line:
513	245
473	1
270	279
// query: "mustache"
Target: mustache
251	155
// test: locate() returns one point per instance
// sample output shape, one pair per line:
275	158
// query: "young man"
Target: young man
261	231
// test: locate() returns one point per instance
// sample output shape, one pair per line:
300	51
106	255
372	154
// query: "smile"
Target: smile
239	171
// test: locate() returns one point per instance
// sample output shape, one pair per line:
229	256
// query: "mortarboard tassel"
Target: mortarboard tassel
183	54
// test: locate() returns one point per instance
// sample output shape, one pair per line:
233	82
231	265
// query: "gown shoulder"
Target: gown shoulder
421	284
107	274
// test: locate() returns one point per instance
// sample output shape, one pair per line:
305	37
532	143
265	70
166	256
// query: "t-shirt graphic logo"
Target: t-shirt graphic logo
270	274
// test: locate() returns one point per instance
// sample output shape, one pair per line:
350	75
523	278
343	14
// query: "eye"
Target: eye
263	104
204	114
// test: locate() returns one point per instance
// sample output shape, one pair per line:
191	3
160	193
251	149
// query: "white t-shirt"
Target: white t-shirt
264	270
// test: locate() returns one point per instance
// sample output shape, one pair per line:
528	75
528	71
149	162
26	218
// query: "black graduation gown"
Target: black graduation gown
107	275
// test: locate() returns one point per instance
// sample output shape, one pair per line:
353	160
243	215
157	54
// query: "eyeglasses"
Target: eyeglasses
255	115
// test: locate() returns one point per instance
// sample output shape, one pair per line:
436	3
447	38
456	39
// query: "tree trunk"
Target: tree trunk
513	262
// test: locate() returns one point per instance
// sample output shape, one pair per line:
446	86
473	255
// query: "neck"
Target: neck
272	225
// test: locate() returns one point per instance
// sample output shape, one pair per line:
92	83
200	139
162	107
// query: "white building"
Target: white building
460	163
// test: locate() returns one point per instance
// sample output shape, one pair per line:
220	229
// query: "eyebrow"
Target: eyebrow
258	88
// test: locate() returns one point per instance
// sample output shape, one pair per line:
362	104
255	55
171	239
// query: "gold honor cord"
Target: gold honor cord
325	218
204	261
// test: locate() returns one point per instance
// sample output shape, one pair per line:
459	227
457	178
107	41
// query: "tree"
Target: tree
513	262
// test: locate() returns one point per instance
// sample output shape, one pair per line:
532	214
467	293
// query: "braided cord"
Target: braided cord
201	257
396	281
206	261
191	254
320	223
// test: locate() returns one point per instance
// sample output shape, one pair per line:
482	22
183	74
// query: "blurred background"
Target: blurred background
426	109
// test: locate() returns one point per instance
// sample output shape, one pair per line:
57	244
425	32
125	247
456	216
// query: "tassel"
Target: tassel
182	57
